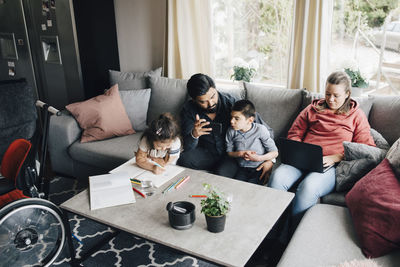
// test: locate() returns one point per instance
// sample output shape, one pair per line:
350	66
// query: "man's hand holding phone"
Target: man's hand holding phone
200	128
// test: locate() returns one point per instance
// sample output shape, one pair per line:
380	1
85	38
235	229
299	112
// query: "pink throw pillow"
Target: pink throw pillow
102	117
374	204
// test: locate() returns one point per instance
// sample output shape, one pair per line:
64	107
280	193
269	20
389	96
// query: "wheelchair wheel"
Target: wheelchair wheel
32	233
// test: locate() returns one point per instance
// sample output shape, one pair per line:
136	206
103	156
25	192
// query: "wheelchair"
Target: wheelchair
32	229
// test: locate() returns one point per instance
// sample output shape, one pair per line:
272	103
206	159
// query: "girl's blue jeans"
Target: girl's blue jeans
313	186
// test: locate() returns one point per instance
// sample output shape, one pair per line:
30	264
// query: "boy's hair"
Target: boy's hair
199	84
245	107
339	77
165	127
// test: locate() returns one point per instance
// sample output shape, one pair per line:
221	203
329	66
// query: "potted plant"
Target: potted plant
358	82
243	71
215	207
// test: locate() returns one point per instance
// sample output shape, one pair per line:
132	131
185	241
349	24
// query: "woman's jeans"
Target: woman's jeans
313	186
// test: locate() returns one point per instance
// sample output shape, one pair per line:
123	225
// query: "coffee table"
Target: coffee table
255	209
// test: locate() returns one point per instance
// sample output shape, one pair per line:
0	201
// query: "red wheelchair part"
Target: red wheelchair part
11	165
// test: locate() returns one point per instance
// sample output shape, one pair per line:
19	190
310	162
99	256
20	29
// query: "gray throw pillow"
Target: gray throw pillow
132	80
277	106
359	159
379	140
136	103
167	95
393	157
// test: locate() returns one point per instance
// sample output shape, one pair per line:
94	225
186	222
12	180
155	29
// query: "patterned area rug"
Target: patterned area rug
122	250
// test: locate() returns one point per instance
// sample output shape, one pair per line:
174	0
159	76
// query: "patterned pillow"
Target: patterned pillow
359	160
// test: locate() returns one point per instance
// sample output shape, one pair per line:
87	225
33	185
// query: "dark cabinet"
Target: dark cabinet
62	47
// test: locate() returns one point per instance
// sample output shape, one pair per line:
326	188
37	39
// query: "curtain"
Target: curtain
309	57
189	44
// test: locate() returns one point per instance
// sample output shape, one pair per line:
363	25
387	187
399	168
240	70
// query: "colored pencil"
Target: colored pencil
137	181
168	188
139	192
182	182
179	181
74	236
197	196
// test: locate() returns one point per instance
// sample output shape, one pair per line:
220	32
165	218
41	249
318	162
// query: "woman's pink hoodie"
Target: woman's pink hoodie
329	130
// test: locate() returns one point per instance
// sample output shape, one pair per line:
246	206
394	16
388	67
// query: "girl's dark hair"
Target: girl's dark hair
165	127
199	84
245	107
339	77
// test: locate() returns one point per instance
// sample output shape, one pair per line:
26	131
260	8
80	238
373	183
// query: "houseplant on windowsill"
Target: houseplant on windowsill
215	207
243	71
358	82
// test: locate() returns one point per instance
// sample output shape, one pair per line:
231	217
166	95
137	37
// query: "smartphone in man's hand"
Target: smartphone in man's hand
216	127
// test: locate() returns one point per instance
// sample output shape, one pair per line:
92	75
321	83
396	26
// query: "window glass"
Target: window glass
396	27
357	37
255	32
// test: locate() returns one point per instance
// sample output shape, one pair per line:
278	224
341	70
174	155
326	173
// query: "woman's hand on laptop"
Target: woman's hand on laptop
332	159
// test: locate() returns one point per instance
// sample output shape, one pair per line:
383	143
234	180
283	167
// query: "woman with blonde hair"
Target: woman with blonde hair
325	122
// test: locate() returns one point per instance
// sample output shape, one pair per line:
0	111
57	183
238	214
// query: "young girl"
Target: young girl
159	145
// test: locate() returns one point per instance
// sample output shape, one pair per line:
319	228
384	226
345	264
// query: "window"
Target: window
357	37
253	30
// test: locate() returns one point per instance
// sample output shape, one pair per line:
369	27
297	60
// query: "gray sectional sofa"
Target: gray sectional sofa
324	237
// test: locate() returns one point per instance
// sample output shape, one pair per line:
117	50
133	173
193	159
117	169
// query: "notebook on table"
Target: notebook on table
302	155
134	171
110	190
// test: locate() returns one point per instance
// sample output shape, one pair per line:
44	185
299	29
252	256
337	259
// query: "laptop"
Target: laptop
302	155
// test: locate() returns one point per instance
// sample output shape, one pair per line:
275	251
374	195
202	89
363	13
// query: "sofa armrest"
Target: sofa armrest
63	132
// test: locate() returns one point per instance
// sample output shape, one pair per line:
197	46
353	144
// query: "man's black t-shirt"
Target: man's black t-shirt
213	142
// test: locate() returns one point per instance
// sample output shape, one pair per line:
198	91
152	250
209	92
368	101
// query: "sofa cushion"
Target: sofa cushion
365	102
374	204
278	107
335	198
136	103
359	159
393	157
384	117
132	80
101	117
106	154
324	237
167	95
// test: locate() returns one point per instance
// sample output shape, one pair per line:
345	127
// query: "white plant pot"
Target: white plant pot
357	91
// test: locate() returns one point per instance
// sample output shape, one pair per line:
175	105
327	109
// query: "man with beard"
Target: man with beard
204	149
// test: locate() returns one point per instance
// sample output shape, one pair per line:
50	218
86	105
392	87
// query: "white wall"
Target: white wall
140	29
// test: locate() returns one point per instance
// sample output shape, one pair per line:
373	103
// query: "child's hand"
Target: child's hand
252	155
159	161
158	170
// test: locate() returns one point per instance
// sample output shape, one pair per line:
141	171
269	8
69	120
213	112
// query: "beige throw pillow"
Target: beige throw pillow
102	117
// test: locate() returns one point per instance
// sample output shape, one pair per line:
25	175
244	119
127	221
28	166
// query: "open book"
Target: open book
134	171
109	190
